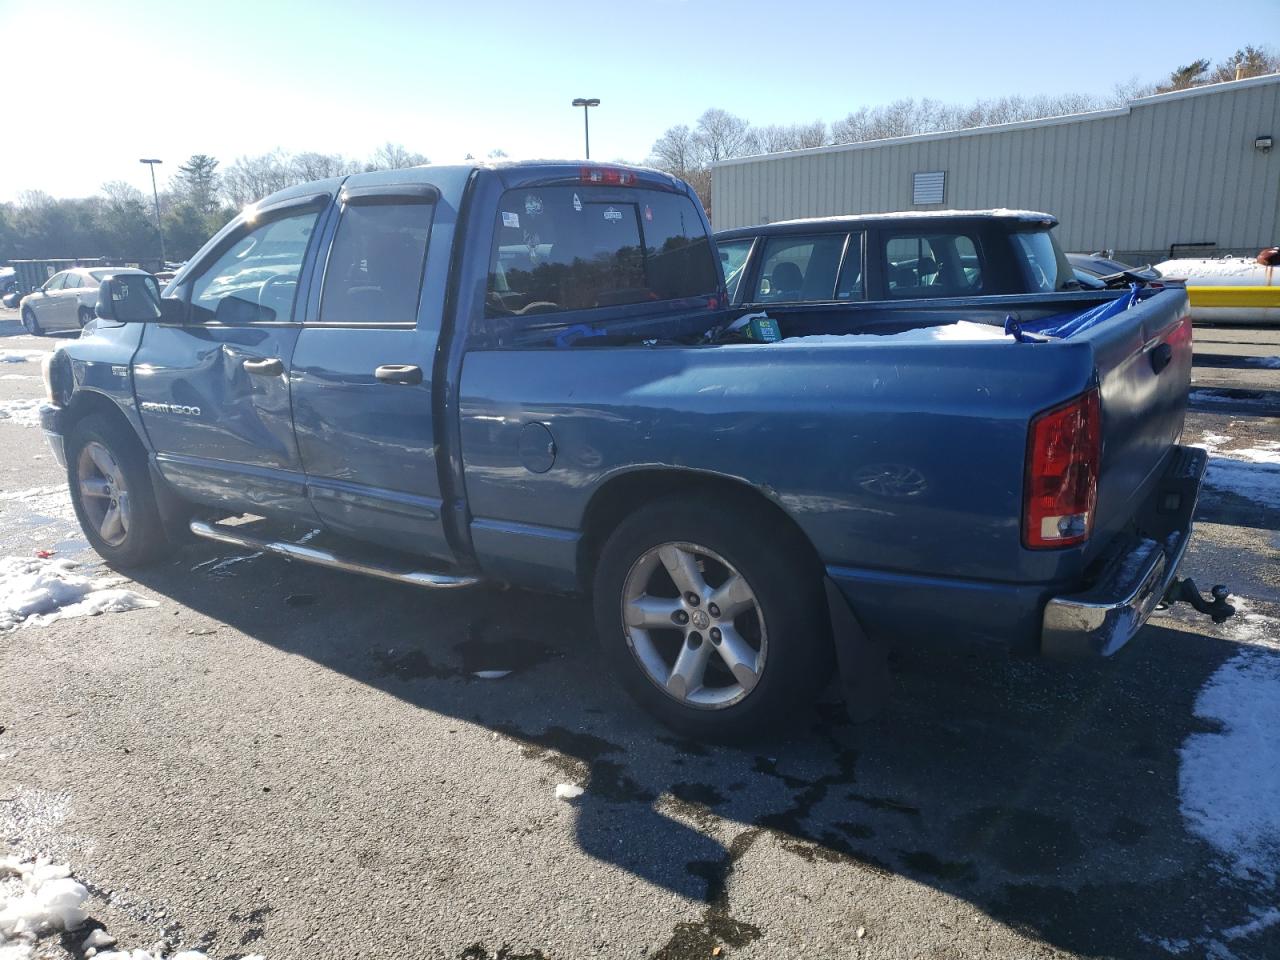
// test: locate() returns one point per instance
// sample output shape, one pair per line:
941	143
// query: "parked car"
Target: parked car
552	393
1106	268
66	301
894	257
8	281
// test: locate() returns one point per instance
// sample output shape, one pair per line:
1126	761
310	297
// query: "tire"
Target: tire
31	324
104	455
784	625
84	315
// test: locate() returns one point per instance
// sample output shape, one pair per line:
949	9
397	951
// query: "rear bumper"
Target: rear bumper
1134	574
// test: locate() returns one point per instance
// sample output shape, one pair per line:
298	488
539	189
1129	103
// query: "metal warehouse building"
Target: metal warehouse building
1195	172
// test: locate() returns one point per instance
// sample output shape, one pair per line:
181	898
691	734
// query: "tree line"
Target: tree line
199	198
689	151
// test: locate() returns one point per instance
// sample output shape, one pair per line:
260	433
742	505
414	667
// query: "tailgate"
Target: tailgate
1143	362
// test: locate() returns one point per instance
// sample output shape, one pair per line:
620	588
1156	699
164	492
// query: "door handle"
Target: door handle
399	373
270	367
1161	357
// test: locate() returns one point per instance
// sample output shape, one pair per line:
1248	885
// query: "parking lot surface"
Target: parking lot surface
276	759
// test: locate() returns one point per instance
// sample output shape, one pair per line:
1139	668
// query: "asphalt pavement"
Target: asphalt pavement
282	760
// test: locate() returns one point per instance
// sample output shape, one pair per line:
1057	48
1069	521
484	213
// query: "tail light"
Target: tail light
607	176
1064	449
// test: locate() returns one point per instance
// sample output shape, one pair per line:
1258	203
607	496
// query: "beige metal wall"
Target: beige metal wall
1177	168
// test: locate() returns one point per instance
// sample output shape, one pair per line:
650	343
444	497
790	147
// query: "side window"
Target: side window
852	284
576	248
55	282
933	265
73	281
799	268
256	279
1042	261
374	273
733	258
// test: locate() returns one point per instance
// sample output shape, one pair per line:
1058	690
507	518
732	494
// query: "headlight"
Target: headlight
46	374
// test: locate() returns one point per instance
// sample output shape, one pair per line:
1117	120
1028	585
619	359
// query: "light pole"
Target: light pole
586	104
155	194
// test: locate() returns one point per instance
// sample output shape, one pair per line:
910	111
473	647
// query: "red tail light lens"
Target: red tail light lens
1064	449
607	176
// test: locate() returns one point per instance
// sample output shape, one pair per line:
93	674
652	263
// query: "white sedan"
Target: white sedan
67	299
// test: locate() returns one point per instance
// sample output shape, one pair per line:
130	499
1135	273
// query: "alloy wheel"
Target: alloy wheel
104	494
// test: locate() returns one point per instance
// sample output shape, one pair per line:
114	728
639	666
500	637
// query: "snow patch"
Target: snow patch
52	501
1245	471
491	674
36	898
1228	780
25	411
17	376
1194	270
961	330
1271	363
21	356
37	592
568	791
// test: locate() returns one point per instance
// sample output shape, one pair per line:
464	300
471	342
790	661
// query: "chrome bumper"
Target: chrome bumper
1100	620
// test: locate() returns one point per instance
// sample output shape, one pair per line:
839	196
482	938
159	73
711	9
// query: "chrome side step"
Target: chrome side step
324	558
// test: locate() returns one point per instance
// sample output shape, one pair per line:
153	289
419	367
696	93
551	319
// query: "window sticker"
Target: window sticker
648	213
532	204
510	219
613	214
577	204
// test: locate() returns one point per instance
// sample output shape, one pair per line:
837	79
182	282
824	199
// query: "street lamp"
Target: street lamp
585	104
156	196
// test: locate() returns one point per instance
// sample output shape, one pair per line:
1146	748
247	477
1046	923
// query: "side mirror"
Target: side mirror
129	298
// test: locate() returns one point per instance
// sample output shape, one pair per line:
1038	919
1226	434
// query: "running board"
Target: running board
324	558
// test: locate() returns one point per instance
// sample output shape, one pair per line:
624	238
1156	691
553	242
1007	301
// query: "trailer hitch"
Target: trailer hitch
1186	591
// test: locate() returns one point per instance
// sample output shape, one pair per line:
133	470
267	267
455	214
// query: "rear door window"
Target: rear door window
374	273
578	248
933	265
799	268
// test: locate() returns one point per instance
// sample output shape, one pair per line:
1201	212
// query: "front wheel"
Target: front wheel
84	316
112	494
712	618
30	323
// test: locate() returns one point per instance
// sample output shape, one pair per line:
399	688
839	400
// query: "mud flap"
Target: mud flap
865	680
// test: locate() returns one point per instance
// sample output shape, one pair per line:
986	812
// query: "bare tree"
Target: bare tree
321	166
720	135
676	151
1250	62
249	179
394	156
796	136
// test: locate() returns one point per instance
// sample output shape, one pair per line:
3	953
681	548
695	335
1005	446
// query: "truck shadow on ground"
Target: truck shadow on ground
1047	797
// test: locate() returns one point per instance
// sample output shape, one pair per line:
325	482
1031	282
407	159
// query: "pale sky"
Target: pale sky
91	87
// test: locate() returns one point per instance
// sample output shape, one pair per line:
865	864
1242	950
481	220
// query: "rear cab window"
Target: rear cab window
1043	263
937	263
733	259
564	249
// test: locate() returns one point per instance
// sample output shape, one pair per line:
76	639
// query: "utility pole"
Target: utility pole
155	194
586	104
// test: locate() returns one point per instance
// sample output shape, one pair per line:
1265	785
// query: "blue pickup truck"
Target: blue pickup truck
530	374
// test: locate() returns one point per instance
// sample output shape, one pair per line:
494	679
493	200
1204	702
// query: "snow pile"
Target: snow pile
36	592
21	356
1195	270
1228	781
962	330
567	791
24	412
1249	472
43	897
38	897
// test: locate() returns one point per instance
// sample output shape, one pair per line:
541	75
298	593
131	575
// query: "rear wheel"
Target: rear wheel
30	323
712	617
112	494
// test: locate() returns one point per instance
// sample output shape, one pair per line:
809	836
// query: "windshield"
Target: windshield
1046	265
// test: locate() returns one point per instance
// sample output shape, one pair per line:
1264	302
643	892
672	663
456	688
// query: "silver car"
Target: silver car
67	299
